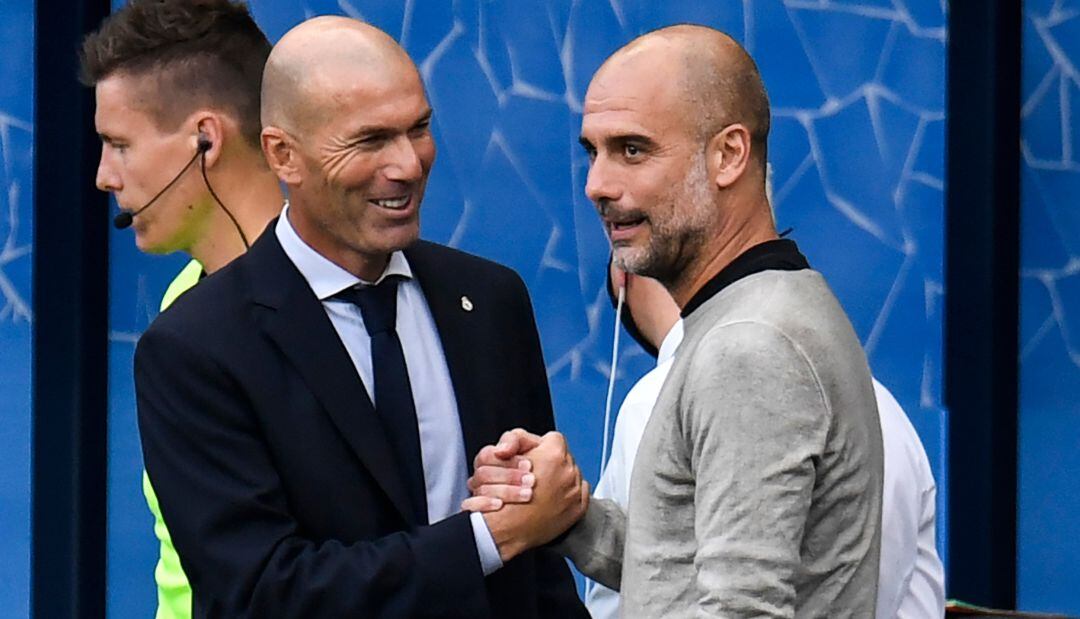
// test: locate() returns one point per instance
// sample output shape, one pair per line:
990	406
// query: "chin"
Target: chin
402	237
150	245
145	245
635	260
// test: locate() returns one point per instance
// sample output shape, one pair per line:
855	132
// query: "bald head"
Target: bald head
318	59
714	78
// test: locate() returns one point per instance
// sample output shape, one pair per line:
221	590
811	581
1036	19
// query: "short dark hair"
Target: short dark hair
200	52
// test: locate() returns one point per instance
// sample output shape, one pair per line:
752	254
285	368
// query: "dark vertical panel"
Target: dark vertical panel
982	258
71	326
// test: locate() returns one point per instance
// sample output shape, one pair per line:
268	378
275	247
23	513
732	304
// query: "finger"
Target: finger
506	494
556	442
486	456
501	475
516	442
481	504
489	456
554	436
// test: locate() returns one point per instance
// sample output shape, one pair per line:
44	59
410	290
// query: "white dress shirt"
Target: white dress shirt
911	581
442	444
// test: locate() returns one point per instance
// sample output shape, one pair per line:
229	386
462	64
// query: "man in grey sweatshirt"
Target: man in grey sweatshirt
757	487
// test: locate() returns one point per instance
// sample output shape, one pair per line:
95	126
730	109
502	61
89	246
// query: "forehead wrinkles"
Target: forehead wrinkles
643	88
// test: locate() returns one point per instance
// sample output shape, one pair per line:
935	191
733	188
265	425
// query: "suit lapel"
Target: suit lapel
296	321
443	290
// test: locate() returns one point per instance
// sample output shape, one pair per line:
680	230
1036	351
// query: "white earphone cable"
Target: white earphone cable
611	380
589	583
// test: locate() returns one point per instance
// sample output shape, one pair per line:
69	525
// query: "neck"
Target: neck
727	246
367	267
656	331
251	193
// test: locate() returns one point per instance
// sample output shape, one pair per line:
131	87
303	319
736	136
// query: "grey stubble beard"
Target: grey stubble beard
674	242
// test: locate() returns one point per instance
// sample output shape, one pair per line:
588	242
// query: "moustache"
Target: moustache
612	214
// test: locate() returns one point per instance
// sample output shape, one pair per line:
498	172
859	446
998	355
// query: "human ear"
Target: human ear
728	154
280	153
209	136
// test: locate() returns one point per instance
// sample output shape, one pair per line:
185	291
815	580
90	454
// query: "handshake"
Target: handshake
528	489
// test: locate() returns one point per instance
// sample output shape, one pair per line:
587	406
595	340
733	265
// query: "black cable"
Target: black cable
202	168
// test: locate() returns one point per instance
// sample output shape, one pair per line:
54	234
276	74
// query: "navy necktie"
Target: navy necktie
393	391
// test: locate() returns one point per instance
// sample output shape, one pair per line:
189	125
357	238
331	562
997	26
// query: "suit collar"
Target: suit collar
296	322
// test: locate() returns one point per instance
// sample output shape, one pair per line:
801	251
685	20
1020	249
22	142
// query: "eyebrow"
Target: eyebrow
425	117
620	139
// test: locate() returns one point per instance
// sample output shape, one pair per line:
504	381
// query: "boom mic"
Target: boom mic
124	219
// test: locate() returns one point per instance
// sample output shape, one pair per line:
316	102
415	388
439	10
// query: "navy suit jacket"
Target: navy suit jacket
272	470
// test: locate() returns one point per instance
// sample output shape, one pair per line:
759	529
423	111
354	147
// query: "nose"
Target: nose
107	179
601	185
403	162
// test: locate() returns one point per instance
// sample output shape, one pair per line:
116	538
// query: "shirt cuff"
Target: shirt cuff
485	544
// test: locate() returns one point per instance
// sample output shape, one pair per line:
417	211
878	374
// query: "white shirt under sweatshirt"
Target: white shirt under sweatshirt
911	577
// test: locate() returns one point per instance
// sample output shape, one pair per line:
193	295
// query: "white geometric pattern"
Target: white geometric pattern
857	153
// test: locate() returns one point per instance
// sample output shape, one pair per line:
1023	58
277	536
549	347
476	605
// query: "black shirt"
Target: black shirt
775	255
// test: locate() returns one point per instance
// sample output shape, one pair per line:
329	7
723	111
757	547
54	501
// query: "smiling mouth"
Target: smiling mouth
626	224
395	204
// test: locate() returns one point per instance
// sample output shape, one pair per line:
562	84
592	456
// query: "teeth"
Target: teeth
393	202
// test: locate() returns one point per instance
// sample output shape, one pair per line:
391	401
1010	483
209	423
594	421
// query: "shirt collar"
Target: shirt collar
670	343
774	255
325	278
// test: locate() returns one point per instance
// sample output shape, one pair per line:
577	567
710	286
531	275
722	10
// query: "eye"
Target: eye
421	129
631	150
590	151
372	141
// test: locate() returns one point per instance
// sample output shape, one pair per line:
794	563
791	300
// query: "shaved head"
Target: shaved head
316	60
347	128
676	126
716	80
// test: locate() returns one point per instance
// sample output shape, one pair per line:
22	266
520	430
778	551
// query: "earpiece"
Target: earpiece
204	143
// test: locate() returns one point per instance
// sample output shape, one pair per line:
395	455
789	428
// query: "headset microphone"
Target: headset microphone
124	219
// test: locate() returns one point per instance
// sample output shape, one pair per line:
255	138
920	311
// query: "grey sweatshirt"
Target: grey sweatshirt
757	487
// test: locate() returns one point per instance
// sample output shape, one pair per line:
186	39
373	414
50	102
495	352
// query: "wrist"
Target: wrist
508	545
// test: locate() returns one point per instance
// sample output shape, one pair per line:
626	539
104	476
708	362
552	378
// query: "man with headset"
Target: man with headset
177	88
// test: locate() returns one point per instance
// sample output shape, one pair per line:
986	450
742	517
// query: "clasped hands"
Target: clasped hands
528	489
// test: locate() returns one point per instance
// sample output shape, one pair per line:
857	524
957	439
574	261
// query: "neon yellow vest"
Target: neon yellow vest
174	592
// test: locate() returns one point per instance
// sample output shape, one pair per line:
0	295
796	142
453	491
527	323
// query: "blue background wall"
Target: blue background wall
857	150
16	301
858	155
1048	526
